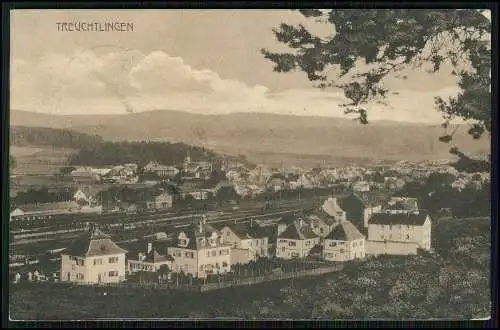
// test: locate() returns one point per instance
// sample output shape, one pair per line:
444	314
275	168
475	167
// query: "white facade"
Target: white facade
294	248
368	211
210	255
335	250
421	235
99	269
257	246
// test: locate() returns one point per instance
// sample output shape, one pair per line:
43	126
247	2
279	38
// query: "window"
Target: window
113	260
321	230
291	243
202	267
295	255
256	242
282	240
354	244
283	249
97	262
308	243
182	242
79	276
390	236
342	250
228	234
329	255
113	273
220	252
407	236
208	253
214	253
333	244
390	227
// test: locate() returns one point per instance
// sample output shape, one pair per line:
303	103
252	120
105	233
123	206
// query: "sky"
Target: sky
203	61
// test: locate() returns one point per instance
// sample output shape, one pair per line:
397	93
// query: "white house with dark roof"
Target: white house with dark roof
200	250
296	241
93	258
399	233
151	261
248	241
324	219
344	242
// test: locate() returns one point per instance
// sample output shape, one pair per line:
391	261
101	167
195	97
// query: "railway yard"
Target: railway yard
128	229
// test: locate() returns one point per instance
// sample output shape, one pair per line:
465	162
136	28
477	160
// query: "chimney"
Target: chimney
150	247
200	226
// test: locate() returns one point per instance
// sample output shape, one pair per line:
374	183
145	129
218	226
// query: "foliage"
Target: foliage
43	195
390	41
437	193
116	153
63	138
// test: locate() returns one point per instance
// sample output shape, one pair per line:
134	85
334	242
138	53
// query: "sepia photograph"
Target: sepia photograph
249	164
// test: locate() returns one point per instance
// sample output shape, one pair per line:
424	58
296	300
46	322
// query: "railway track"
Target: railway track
50	242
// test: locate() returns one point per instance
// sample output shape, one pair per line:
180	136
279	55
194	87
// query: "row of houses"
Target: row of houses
206	248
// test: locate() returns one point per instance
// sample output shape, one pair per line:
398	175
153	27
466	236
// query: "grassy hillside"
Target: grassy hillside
259	136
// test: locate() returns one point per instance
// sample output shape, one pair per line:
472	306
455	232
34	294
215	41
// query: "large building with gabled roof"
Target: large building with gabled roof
248	241
200	250
399	233
344	242
296	241
93	258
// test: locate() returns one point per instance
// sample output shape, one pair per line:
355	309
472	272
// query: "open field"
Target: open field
38	160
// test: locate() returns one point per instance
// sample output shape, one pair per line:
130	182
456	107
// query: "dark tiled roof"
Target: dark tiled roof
155	257
247	231
411	219
321	214
94	243
195	237
373	198
407	204
345	231
295	231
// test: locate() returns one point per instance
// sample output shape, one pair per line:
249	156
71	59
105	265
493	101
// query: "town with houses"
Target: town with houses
355	212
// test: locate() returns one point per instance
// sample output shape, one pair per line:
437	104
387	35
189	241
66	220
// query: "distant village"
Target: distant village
366	218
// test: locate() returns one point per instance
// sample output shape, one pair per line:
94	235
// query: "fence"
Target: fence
235	282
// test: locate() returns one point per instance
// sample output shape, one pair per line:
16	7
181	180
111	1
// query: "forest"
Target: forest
93	150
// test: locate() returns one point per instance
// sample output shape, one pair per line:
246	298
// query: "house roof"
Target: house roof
92	244
323	215
247	231
298	232
154	257
411	219
372	198
196	238
408	204
45	207
345	231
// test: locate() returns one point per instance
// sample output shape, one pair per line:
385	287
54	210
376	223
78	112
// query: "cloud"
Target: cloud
89	82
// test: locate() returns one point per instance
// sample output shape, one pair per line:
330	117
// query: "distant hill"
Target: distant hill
268	137
85	149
